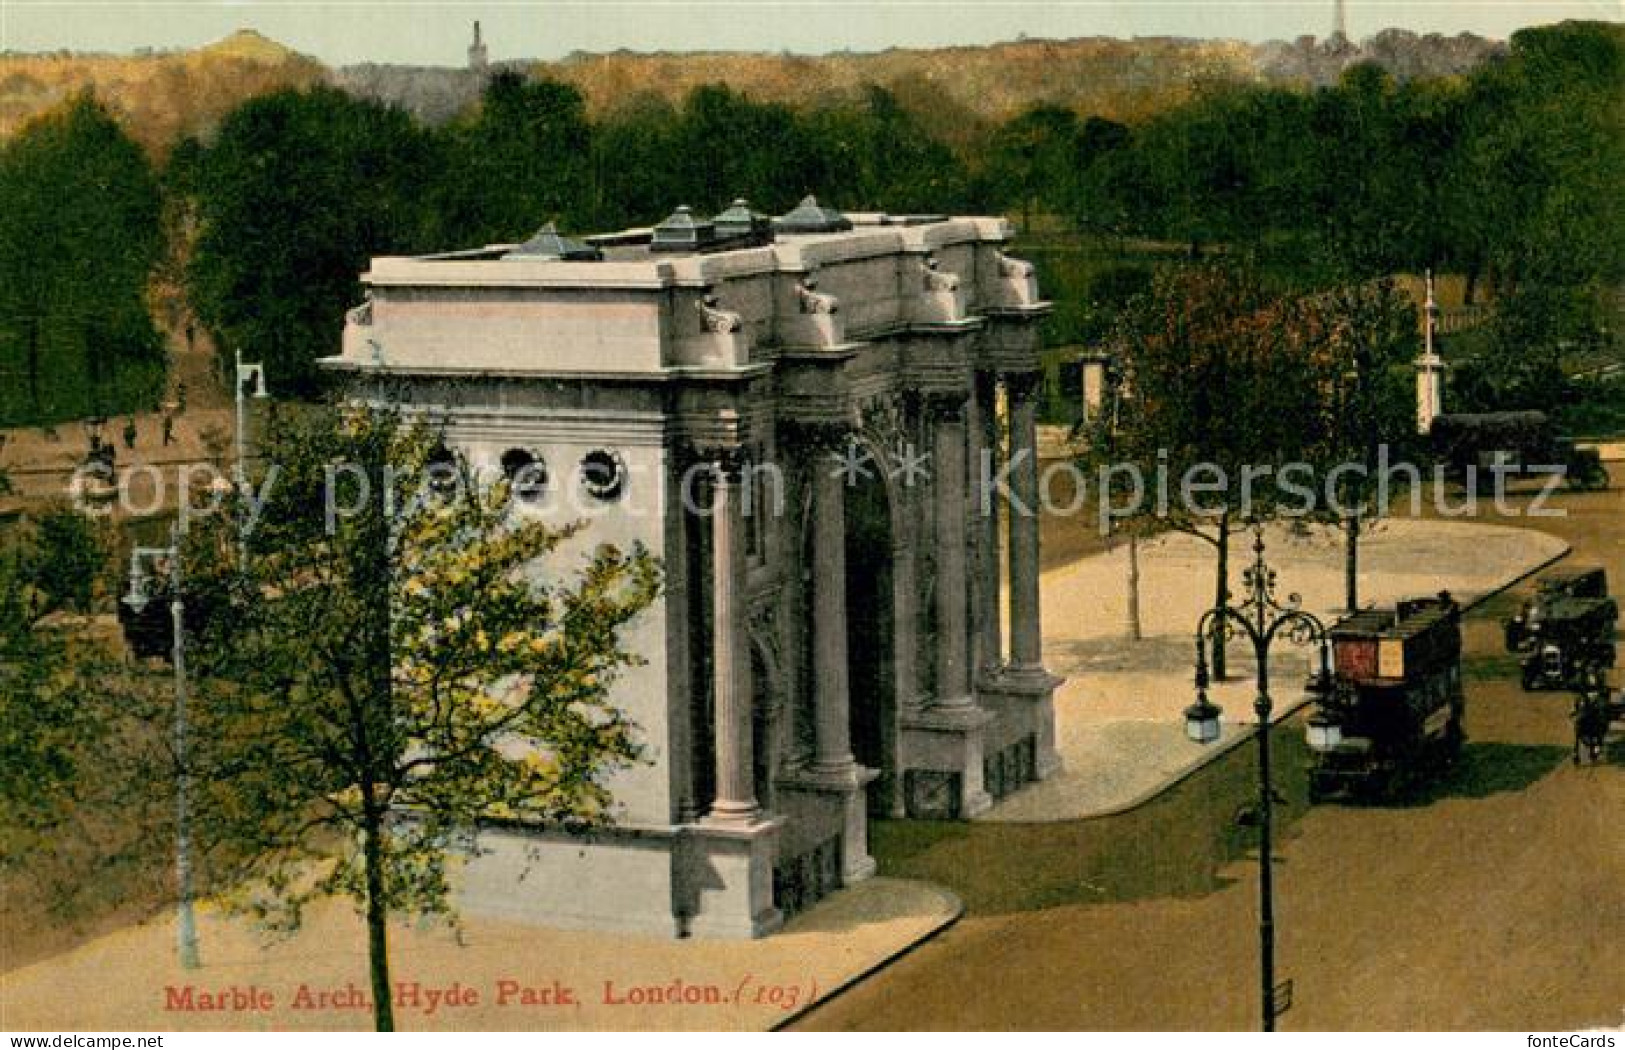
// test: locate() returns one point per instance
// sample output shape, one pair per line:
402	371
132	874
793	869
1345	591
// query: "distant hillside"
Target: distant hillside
159	96
957	91
1123	79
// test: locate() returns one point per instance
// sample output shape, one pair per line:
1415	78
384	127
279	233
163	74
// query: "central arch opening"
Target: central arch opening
869	636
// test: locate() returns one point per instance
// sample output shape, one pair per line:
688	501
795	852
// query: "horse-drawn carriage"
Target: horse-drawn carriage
1394	713
1596	709
1566	629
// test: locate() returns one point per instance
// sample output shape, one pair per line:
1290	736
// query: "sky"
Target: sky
436	32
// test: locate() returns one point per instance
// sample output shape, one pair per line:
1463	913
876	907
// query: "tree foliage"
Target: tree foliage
522	158
295	194
79	235
54	720
381	684
1235	399
1504	173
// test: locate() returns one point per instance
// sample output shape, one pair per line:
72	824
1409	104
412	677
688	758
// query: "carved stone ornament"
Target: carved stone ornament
813	301
715	319
939	280
362	314
1009	267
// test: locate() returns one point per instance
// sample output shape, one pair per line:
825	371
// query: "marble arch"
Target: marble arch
912	338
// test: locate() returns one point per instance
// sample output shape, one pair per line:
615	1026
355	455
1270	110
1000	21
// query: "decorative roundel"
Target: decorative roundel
603	475
526	473
441	471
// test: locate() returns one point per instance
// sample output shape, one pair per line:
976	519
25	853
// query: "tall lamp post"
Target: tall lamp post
1262	618
250	383
137	599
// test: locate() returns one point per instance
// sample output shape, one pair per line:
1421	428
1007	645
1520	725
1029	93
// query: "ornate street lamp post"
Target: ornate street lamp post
250	383
1261	618
137	599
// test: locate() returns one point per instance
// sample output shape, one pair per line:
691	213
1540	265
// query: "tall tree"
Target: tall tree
635	172
1199	169
1542	142
1361	193
402	660
1103	191
1360	341
876	155
53	679
1032	160
79	235
523	158
296	192
729	145
1217	390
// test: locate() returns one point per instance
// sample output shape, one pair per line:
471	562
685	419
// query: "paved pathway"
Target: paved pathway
1119	725
130	981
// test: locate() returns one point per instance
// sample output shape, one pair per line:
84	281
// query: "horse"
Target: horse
1592	715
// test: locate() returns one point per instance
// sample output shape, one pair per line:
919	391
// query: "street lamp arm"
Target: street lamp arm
1226	615
1298	627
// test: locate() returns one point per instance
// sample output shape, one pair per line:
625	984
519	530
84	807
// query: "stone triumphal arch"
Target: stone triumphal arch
815	421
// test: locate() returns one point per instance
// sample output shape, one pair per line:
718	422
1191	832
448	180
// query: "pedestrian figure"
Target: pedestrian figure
130	432
191	334
169	429
180	397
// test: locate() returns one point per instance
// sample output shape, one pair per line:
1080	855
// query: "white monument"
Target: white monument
1429	368
793	416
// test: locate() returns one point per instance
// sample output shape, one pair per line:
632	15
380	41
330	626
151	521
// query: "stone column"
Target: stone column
953	670
990	638
735	801
1026	643
833	728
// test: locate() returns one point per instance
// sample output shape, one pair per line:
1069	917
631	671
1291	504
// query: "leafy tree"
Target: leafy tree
67	559
297	191
1199	169
635	162
524	158
1428	131
179	221
729	145
876	155
1104	187
379	686
1215	386
1543	141
1360	193
1520	364
1033	158
53	680
79	235
1360	340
